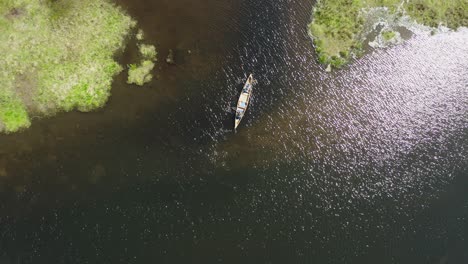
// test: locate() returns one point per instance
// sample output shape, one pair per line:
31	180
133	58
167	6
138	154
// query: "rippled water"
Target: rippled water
362	165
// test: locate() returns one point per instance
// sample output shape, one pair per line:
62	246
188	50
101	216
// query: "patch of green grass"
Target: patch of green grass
13	114
140	74
68	46
334	28
337	25
388	35
451	13
147	51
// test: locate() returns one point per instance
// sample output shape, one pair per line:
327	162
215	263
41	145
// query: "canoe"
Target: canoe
243	101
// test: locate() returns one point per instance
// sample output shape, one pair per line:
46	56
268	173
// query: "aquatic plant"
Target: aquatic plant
337	26
386	38
65	48
140	35
388	35
140	74
148	51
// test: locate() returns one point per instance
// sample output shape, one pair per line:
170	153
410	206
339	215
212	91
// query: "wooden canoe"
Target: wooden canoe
243	101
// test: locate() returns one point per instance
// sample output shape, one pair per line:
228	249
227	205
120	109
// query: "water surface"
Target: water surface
362	165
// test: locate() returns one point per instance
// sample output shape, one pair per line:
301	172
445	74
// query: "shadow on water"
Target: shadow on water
362	165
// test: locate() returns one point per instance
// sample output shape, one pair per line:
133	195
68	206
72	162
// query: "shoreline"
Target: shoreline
59	56
338	30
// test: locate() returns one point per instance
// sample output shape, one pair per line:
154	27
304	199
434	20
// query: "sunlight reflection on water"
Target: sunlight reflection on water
335	165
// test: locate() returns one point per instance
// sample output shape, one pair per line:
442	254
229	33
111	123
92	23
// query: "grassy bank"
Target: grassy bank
337	25
12	113
57	55
451	13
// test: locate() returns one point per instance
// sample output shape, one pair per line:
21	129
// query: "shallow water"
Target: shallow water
362	165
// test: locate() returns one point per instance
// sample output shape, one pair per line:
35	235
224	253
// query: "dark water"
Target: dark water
363	165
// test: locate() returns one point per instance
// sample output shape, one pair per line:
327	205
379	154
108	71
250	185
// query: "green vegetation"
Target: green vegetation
386	38
388	35
334	28
12	113
337	25
65	50
451	13
141	74
148	51
140	35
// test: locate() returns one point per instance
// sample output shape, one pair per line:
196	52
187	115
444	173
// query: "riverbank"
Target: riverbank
57	56
337	27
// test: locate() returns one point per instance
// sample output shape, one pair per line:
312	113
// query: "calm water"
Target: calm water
364	165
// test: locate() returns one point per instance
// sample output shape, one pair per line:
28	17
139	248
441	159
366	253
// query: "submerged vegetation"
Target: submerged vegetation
337	25
57	55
